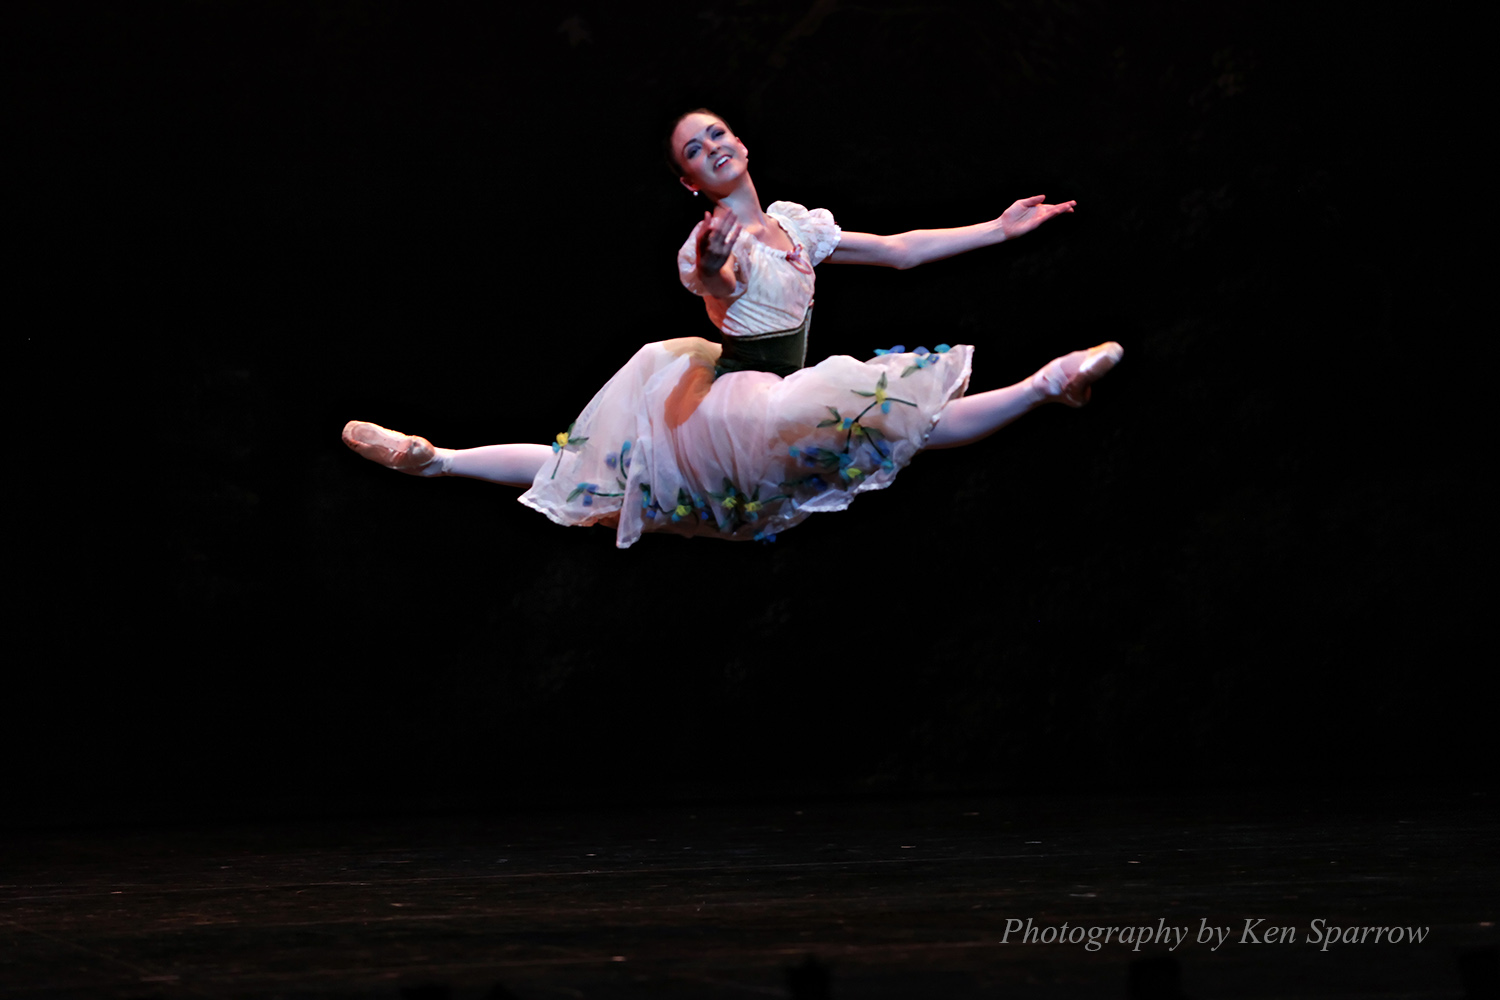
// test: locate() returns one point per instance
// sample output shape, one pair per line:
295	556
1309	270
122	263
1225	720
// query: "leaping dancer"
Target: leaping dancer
739	439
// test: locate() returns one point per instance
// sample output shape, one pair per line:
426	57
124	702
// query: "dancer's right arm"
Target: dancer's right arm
715	253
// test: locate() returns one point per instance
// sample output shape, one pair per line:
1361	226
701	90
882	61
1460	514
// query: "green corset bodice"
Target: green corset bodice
780	353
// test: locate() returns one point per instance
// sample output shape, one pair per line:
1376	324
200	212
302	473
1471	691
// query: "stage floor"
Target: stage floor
928	897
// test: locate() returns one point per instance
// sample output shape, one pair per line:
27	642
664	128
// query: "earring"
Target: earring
695	194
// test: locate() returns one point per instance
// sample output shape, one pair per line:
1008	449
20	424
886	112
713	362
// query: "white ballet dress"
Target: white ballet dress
738	440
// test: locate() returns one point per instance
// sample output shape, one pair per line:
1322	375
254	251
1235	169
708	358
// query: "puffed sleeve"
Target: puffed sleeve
815	227
687	264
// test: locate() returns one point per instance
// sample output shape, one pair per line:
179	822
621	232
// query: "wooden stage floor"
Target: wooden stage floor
927	897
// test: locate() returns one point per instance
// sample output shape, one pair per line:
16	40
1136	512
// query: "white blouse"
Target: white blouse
773	288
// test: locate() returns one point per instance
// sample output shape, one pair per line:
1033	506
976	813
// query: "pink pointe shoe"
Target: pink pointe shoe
414	456
1069	379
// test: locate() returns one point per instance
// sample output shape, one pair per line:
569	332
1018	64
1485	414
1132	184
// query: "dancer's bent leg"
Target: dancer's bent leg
1063	380
510	464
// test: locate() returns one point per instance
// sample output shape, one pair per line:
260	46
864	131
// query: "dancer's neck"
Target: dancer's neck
745	204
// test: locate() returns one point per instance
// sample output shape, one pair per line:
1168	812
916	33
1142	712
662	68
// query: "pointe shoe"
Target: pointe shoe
1069	379
414	456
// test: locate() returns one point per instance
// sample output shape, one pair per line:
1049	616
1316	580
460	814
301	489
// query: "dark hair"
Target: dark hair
673	164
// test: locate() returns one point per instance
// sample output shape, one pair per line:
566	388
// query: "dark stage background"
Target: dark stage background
1248	562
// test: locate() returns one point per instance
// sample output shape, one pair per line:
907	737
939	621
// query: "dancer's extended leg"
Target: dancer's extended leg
510	464
1063	380
973	418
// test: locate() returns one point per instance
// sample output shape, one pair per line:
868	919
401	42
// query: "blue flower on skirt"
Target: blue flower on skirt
810	484
648	504
588	491
925	359
815	456
882	449
620	460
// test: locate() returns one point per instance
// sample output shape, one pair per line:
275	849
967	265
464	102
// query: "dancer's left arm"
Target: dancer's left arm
921	246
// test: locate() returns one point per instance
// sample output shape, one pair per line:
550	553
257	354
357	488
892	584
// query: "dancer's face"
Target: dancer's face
710	156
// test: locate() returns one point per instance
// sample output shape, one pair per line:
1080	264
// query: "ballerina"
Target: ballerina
738	439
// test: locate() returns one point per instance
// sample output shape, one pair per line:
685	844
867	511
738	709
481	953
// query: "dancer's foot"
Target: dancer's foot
1068	379
414	456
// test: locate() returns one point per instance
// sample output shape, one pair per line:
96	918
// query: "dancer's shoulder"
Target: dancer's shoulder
815	227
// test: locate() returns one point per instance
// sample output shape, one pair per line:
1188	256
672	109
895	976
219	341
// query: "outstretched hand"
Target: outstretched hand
716	239
1028	213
